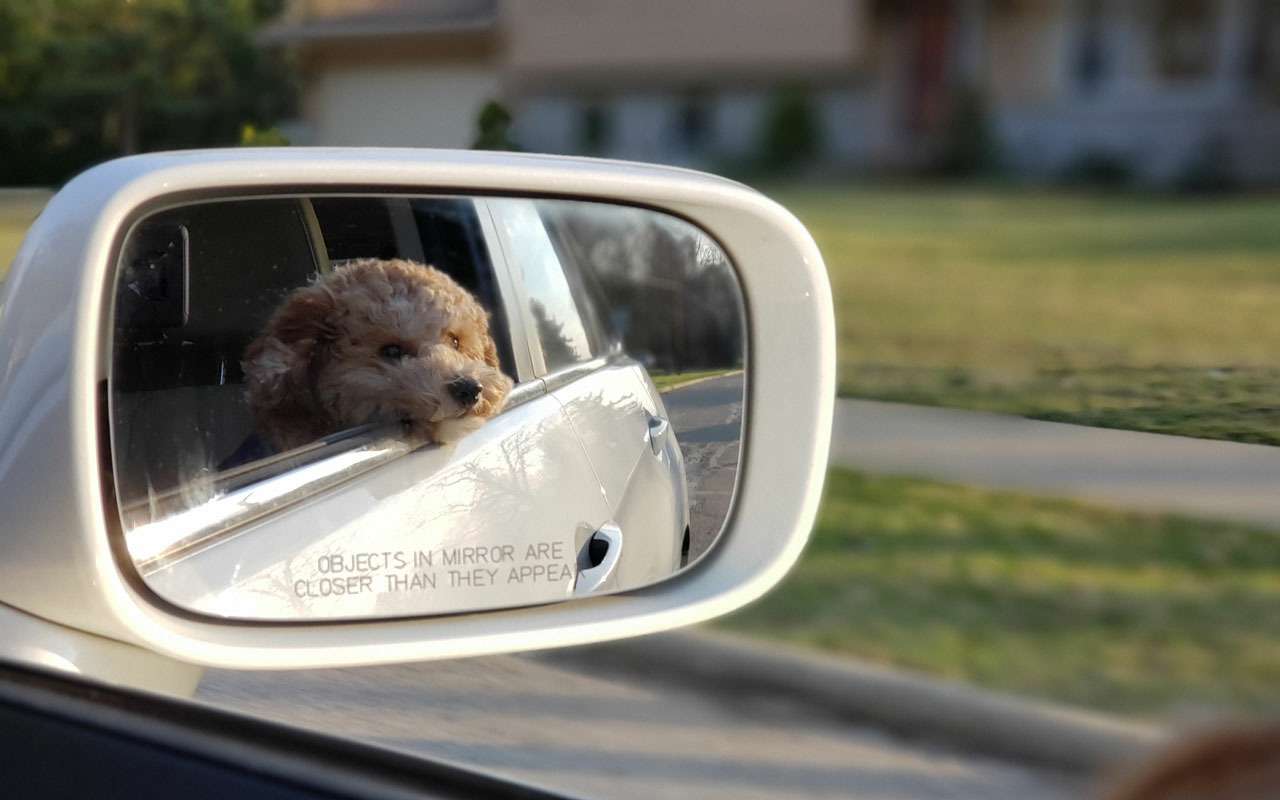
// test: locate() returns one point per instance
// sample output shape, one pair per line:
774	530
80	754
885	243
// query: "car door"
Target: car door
605	396
497	519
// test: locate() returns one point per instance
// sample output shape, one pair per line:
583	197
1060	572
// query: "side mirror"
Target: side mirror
306	408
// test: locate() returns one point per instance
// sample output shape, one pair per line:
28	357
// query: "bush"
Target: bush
969	146
791	136
493	128
250	136
1210	170
1099	168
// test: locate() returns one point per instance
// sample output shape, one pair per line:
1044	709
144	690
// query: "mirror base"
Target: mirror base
30	640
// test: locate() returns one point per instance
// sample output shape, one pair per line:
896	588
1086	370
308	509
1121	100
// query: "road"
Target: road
707	419
581	731
1126	469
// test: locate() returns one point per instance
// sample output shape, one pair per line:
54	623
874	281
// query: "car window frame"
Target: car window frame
550	377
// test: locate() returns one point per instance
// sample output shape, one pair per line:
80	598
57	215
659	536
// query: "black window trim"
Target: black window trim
141	728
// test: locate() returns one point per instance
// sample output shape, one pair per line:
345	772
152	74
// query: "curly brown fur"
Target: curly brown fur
375	341
1234	763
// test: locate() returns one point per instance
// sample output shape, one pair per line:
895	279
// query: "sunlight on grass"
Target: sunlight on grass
1141	312
671	380
18	209
1139	613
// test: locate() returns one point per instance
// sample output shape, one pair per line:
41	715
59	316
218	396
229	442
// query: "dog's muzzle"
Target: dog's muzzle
464	391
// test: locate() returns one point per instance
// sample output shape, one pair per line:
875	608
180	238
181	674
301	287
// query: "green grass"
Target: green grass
1140	312
18	208
671	380
1127	612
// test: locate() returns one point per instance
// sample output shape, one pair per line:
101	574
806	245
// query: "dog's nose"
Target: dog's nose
464	390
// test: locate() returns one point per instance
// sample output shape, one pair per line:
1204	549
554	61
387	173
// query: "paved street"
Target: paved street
579	730
1119	468
707	419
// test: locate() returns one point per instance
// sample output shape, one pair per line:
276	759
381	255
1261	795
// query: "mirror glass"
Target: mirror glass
351	406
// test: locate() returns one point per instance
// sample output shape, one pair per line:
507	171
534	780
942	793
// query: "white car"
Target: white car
578	487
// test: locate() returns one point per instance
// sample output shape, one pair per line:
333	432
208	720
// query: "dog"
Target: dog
375	341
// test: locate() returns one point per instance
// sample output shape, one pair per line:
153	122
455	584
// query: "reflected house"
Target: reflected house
1161	88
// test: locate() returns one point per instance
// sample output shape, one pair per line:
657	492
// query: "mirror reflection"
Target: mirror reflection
347	406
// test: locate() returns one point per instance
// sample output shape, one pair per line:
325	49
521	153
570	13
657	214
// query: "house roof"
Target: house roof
385	19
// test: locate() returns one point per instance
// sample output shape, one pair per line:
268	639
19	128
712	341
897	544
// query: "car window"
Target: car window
198	285
570	250
555	312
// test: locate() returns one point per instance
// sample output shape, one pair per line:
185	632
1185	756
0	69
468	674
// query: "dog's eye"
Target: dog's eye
392	352
453	340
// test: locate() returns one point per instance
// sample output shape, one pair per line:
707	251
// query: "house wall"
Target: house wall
1048	119
409	105
662	37
647	125
642	64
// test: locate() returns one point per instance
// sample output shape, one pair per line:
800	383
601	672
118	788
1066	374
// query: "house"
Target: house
1162	86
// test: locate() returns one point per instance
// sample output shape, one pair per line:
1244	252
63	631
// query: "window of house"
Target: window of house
1185	38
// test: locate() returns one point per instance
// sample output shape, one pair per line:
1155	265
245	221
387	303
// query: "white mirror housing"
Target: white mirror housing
61	556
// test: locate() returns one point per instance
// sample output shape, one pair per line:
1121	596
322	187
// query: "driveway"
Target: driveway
707	418
1126	469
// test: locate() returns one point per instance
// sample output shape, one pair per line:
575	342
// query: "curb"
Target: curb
696	381
907	704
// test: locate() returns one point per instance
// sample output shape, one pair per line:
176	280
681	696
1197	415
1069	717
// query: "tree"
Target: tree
82	81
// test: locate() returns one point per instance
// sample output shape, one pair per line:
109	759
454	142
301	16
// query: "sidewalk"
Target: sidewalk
1143	471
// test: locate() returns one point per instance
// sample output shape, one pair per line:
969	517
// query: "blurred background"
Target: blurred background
1033	212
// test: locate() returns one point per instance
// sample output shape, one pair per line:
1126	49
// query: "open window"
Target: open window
199	282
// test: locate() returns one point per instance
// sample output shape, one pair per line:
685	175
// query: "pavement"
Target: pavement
1125	469
706	416
592	732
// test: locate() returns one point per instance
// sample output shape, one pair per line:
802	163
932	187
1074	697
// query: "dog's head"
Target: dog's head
375	341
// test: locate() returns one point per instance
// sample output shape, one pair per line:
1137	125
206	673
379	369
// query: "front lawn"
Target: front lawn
672	380
1136	613
1139	312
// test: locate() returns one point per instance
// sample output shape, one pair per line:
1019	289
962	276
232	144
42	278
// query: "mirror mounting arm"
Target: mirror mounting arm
29	640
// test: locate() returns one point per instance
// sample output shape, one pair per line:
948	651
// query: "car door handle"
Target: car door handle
604	549
658	427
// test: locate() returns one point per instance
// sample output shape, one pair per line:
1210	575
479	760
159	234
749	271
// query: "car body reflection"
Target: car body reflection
497	520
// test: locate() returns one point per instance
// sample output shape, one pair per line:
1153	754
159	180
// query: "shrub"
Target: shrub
1209	170
969	145
251	136
790	136
1099	168
493	128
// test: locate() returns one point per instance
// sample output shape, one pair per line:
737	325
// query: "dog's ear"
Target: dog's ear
280	364
490	347
309	315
